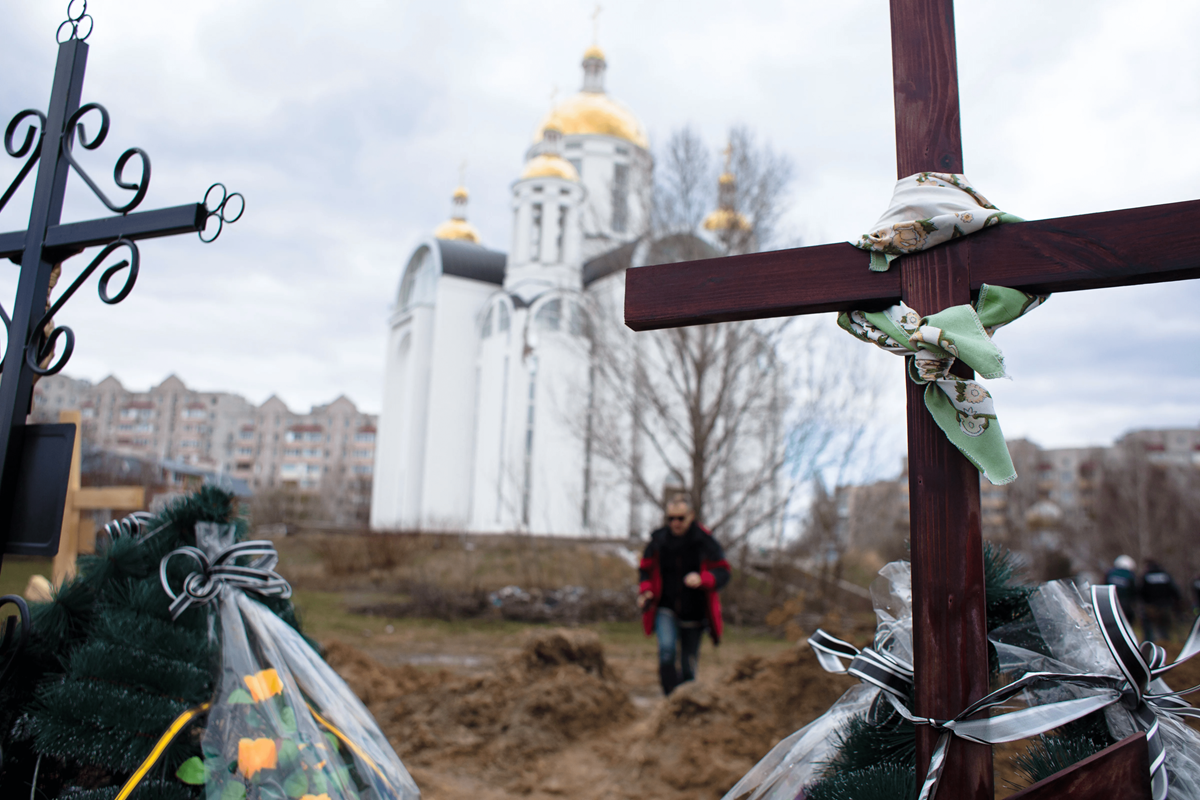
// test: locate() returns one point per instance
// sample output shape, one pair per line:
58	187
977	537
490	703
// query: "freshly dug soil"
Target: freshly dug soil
557	720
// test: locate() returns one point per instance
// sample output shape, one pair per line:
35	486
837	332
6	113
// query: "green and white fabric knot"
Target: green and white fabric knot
927	209
962	408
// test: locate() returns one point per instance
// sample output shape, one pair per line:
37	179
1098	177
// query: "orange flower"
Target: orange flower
255	755
263	684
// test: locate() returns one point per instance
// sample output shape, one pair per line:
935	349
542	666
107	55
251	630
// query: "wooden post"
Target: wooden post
68	544
78	528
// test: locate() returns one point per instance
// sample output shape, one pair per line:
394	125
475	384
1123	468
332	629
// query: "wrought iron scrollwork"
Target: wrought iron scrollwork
42	345
136	525
32	131
75	125
223	210
8	649
76	21
6	320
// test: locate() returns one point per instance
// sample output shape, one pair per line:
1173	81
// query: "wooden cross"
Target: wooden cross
1116	248
79	535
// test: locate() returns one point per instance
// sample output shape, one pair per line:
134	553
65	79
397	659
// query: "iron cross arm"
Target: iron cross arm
1091	251
66	240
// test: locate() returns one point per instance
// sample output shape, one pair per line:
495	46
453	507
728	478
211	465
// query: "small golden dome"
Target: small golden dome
458	229
726	179
593	52
460	193
548	165
594	112
725	219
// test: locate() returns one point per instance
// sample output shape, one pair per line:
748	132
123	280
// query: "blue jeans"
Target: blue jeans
677	642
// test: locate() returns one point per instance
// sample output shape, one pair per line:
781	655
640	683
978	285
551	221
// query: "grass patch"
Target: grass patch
17	570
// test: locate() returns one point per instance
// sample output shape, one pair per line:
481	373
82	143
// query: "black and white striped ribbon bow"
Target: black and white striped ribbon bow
881	670
1140	669
259	576
1143	667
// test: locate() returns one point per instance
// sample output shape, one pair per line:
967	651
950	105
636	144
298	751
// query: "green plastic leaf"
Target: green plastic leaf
289	754
288	718
333	741
319	784
296	784
239	697
234	790
269	791
192	771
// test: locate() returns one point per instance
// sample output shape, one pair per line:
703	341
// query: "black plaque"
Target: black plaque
35	521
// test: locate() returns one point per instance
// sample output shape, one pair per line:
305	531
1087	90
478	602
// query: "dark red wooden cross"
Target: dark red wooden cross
1116	248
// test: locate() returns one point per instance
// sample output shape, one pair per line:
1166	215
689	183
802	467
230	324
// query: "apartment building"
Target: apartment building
331	447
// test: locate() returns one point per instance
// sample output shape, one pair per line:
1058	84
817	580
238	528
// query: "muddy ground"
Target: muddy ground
558	719
552	717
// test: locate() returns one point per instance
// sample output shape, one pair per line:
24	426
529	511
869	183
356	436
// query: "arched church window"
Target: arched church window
549	316
487	323
418	284
503	323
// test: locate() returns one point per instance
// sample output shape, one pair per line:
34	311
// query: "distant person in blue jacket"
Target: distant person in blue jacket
1123	577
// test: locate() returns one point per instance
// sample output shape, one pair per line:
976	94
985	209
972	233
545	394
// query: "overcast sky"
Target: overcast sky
344	124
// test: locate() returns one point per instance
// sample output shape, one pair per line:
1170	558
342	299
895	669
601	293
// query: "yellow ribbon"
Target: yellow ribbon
357	750
186	717
178	725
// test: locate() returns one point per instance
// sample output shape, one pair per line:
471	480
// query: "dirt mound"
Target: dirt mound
557	689
556	719
705	736
375	683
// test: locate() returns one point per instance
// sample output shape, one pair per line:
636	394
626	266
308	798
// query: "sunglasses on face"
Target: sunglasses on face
671	518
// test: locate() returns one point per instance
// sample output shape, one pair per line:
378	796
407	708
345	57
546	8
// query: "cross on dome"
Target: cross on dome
592	110
457	227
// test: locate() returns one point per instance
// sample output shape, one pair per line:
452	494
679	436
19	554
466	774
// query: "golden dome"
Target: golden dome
594	52
460	193
458	229
725	179
548	165
594	112
724	219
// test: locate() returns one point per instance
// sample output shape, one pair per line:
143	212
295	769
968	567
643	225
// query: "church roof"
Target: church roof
606	264
472	261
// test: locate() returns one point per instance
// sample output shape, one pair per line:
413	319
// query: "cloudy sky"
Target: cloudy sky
344	124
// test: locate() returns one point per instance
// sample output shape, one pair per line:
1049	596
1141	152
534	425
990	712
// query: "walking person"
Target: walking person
682	569
1160	600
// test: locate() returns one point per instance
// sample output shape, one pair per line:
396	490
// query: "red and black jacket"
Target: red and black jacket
713	568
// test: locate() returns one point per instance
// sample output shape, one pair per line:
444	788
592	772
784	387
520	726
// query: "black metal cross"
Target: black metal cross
1114	248
34	458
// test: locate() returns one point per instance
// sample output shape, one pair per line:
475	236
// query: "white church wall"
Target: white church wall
450	420
497	364
557	489
387	486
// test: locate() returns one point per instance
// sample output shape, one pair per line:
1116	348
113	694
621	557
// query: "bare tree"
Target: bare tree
722	412
1147	509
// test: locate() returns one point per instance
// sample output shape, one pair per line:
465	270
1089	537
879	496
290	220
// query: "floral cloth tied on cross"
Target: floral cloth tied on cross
962	408
927	209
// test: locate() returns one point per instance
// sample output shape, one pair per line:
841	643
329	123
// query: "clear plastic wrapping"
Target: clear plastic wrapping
282	724
798	760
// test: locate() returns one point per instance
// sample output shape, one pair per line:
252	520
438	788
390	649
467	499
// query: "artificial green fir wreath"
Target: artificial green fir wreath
172	668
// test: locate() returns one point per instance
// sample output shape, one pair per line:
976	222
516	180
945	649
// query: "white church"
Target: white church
488	375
